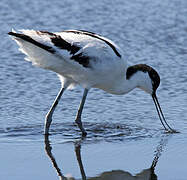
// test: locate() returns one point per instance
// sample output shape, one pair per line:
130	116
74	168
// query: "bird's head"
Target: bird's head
148	80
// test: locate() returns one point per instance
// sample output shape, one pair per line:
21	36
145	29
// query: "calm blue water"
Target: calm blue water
151	32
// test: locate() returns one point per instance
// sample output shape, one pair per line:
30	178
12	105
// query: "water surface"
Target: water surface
125	136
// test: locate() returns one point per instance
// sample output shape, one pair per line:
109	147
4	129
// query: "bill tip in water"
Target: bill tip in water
172	131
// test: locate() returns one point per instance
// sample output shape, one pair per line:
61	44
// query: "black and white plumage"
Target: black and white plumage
90	60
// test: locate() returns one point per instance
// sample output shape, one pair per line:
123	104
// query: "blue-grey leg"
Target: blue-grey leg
79	113
49	115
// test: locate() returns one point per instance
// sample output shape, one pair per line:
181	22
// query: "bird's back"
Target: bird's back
79	55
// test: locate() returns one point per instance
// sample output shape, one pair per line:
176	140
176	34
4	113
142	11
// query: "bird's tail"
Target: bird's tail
23	37
36	47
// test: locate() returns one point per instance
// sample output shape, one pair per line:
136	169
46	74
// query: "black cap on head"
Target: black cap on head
145	68
155	79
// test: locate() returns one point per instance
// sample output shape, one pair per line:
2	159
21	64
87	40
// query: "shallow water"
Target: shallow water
124	133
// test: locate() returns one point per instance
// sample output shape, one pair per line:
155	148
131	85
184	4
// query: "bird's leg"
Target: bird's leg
48	118
78	118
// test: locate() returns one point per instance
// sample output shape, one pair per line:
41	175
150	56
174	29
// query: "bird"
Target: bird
90	60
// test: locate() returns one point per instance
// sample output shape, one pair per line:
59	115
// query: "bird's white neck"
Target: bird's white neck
123	85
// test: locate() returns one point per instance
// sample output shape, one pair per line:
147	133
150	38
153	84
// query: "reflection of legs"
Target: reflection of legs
78	118
78	154
48	118
48	149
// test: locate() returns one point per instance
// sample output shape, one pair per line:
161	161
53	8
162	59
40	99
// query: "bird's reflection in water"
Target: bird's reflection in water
147	174
48	149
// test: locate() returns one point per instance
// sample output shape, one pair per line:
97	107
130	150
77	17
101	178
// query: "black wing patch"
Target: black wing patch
95	36
58	42
62	44
29	39
81	59
72	48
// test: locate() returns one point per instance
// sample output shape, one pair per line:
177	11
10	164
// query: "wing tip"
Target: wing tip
27	38
16	36
13	32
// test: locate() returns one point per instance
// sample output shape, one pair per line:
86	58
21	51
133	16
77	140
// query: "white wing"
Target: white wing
80	46
73	54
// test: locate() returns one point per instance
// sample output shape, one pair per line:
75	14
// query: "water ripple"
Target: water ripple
69	132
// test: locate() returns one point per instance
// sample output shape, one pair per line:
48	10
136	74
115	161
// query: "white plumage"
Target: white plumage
87	59
102	59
